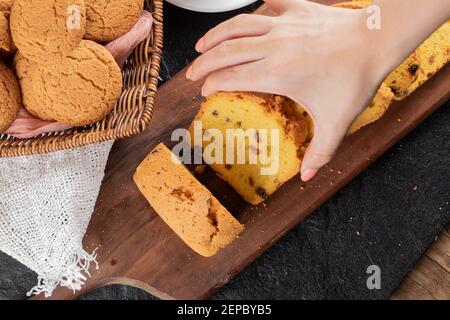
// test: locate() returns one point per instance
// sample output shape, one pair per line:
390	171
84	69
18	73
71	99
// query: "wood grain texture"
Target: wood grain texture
136	248
430	278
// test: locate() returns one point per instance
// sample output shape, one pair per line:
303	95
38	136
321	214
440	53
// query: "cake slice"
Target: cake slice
274	127
185	204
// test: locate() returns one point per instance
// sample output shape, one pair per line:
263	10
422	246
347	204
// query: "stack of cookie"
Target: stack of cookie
55	47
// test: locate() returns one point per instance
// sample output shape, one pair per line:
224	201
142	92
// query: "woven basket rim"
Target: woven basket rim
96	133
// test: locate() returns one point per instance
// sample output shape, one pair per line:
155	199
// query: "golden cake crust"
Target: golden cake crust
10	99
80	90
435	54
294	127
376	109
401	79
351	4
184	204
49	39
107	20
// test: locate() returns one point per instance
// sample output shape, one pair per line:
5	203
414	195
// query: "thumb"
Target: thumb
320	151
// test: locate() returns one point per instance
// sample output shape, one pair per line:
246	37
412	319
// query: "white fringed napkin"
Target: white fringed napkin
46	202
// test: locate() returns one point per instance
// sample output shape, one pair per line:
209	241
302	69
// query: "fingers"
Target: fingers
321	149
244	77
226	54
243	25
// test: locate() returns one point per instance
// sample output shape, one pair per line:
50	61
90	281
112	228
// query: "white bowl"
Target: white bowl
211	5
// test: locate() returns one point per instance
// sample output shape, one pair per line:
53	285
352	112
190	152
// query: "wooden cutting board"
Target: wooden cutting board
135	247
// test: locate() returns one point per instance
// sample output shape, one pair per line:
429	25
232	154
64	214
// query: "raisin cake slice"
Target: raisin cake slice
187	206
285	132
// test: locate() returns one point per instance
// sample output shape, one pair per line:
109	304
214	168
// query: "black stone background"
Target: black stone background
378	218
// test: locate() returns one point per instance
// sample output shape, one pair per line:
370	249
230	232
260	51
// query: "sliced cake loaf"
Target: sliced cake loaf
234	111
224	111
274	128
185	204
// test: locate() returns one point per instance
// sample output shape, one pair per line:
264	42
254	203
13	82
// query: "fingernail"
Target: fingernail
189	72
308	174
199	45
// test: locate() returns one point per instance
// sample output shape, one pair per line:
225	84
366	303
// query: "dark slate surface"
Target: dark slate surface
377	219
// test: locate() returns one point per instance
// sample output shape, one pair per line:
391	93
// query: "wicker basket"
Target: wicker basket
133	110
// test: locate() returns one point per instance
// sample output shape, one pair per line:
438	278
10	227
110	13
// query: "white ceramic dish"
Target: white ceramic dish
211	5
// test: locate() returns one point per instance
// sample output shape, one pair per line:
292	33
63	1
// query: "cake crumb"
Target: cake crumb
200	169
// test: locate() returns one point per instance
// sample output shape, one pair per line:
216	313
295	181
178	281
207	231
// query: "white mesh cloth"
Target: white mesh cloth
46	202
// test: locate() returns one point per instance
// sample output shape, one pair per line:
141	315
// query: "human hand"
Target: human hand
26	126
321	57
